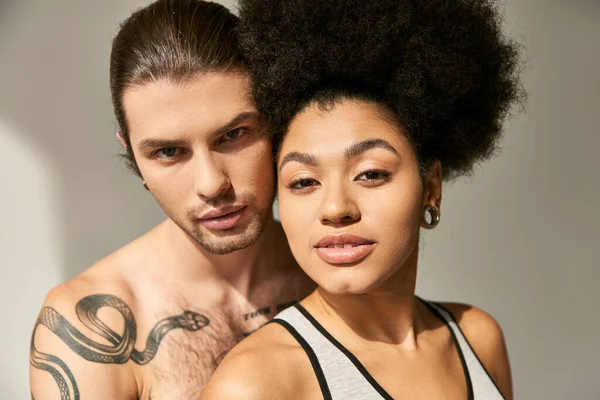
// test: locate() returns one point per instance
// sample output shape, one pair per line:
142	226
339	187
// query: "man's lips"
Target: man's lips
345	248
220	212
222	218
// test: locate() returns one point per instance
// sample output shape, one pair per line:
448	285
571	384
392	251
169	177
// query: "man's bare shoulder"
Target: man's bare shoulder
111	274
85	331
102	281
96	279
269	364
74	350
485	336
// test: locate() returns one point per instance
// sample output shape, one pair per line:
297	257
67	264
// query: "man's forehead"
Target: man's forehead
208	86
204	101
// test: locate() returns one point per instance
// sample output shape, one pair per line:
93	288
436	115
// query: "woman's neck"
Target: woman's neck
387	314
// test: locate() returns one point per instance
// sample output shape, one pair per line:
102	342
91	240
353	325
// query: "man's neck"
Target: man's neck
185	260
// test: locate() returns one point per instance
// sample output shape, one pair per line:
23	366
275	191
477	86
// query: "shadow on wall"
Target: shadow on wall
54	80
66	201
30	245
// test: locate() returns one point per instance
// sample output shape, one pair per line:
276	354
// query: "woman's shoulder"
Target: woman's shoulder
266	365
486	338
481	330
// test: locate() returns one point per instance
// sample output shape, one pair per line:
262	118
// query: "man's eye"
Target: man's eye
167	152
234	134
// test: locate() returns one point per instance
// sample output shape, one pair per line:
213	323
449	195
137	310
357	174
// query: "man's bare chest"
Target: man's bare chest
185	359
160	349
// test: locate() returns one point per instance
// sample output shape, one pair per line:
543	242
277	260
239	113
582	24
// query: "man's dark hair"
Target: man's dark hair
170	39
444	69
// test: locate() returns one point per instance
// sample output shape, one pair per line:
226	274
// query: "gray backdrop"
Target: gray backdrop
517	238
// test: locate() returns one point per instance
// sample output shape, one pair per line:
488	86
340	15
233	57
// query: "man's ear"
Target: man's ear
122	139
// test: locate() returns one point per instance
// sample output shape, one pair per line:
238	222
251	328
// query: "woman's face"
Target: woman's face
350	195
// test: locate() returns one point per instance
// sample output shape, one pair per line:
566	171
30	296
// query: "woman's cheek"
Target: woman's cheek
296	218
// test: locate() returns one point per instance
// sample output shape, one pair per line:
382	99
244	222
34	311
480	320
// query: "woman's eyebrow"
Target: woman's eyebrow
304	158
353	151
359	148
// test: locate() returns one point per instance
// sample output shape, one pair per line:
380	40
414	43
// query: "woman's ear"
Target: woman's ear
432	195
432	185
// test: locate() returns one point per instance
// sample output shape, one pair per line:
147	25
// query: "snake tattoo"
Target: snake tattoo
121	348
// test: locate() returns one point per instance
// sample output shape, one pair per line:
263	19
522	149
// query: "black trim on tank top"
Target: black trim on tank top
311	356
346	352
471	348
456	344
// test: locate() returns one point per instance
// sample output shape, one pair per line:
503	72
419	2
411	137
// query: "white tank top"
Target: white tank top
341	376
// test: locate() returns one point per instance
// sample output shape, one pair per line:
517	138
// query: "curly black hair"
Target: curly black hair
443	68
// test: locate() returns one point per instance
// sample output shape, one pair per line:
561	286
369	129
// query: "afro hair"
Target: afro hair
443	68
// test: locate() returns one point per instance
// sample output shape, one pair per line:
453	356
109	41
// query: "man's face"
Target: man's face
201	150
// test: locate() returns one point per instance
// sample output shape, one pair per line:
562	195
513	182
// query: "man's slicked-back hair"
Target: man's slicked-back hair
174	40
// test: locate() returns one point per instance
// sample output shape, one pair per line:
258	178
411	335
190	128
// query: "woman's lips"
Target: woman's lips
344	248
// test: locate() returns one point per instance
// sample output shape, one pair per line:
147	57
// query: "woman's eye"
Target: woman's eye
167	152
300	184
373	176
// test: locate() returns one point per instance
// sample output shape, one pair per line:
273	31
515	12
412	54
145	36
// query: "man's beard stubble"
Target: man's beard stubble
230	240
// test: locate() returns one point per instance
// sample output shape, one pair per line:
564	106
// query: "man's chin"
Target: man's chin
225	233
225	245
227	241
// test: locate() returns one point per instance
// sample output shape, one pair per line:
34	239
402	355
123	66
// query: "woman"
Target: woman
372	105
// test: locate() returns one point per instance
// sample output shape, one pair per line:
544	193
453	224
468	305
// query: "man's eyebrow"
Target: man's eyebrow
160	143
359	148
303	158
242	117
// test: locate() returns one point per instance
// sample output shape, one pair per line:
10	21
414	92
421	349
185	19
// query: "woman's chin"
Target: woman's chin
358	279
346	287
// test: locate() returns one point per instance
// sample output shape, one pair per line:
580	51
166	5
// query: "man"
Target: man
153	319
